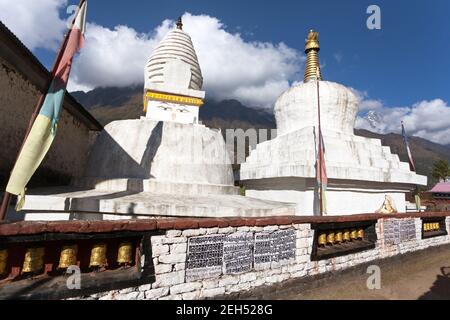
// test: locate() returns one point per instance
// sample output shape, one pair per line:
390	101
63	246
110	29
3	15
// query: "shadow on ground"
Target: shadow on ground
440	288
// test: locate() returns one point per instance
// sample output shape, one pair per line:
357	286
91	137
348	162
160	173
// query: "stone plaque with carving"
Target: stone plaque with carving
284	245
204	257
407	230
238	253
397	231
277	246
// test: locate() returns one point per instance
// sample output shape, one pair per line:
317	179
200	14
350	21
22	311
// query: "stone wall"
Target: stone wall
68	154
395	236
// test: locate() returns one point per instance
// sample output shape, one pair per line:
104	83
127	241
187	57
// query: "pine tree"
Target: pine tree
441	170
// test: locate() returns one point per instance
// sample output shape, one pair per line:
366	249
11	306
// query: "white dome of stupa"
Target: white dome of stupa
177	45
297	107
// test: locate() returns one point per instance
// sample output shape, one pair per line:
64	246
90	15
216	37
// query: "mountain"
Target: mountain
109	104
112	97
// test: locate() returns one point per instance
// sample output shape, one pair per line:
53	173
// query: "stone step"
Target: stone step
149	185
50	203
334	171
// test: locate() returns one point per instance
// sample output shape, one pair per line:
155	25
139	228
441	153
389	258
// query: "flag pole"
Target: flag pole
37	108
320	145
412	165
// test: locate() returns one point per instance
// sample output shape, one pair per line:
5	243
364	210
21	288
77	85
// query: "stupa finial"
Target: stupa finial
180	23
312	48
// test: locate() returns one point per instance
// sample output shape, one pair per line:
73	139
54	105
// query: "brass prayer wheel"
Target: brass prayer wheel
338	237
425	227
361	234
3	260
125	253
68	256
437	226
354	235
322	239
34	260
330	238
98	255
346	236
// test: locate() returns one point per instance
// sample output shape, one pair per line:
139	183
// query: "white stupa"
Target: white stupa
173	80
361	172
164	164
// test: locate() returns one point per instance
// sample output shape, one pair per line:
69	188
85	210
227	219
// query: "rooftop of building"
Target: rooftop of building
441	187
29	66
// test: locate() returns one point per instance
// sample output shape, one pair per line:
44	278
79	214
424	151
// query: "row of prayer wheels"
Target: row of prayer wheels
338	237
34	257
431	226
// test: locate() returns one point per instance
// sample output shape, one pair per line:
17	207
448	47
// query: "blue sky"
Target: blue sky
253	50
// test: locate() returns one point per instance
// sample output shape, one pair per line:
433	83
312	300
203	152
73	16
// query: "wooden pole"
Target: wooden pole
319	165
37	108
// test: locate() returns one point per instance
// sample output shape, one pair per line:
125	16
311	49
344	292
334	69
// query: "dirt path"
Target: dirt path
422	278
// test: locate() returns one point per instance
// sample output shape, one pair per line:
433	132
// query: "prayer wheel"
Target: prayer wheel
322	239
34	260
98	255
361	234
354	235
330	238
338	237
3	260
125	253
68	256
346	236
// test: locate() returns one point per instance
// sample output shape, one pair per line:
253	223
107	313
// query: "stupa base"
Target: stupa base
55	204
343	197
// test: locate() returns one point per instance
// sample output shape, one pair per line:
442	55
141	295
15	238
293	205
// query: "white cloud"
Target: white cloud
113	57
255	73
366	104
36	23
426	119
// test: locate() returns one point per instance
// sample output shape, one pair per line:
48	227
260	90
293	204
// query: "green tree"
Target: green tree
441	170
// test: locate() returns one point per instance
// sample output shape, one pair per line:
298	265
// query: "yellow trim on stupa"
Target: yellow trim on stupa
166	97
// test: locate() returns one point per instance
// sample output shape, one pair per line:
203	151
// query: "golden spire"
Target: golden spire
312	68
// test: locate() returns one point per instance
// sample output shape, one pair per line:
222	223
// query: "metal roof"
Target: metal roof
441	187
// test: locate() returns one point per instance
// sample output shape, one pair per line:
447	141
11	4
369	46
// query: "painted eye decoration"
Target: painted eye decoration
165	108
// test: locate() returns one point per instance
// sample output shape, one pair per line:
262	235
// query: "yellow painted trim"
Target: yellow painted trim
171	98
145	103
